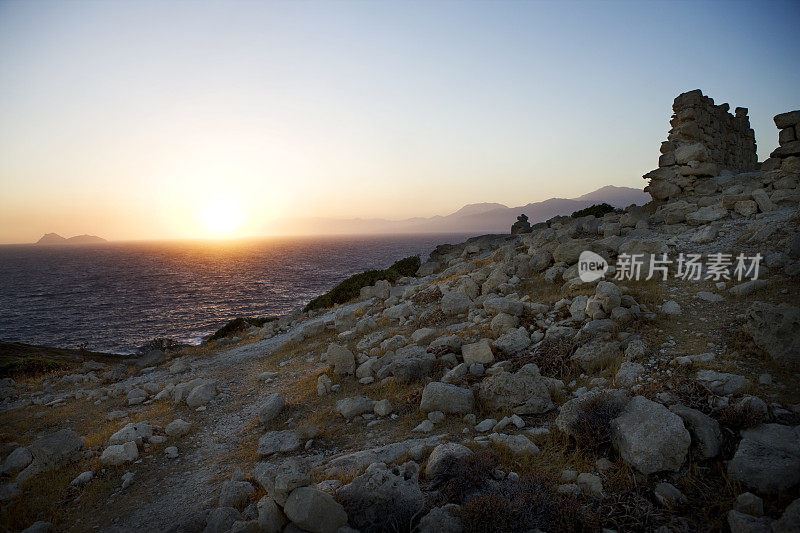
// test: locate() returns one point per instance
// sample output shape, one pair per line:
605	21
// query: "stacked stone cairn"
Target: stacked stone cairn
521	225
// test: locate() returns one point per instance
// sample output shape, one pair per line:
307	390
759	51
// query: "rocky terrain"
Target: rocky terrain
493	391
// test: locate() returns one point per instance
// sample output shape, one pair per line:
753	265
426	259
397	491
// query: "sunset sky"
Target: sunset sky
151	120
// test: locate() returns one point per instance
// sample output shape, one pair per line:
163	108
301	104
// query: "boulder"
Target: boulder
383	407
132	432
744	523
424	336
516	444
344	318
280	479
668	495
671	308
627	374
513	342
221	519
540	260
649	437
577	308
271	408
477	352
177	428
384	495
270	516
455	303
443	519
118	454
768	458
503	323
442	456
569	251
776	330
410	363
705	431
235	493
525	392
789	522
399	311
749	503
201	394
51	452
284	441
341	359
706	214
437	396
17	461
388	453
357	405
722	382
315	511
509	306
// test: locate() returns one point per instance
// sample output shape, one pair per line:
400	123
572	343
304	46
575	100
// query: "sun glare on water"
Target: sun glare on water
222	216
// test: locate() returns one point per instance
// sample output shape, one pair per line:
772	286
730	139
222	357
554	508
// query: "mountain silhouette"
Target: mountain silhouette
472	218
56	239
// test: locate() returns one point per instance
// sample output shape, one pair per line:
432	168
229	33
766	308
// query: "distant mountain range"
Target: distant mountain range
472	218
55	238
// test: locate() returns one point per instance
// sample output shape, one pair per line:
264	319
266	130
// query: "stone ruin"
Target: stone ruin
788	143
705	140
709	161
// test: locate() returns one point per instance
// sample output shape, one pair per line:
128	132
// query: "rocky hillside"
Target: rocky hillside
493	391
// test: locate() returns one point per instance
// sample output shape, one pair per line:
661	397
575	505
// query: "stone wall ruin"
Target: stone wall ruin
785	156
705	140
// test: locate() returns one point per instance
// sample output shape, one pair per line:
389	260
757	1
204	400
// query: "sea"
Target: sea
114	297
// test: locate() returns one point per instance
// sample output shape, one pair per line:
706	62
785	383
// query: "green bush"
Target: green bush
598	210
351	287
13	367
238	324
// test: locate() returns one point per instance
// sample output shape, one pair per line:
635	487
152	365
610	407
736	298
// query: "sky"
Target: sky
161	120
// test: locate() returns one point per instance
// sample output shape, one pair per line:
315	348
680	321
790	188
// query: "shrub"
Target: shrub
13	367
463	476
239	324
524	505
739	417
552	356
592	426
598	210
351	287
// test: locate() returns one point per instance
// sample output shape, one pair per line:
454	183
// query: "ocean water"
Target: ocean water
114	297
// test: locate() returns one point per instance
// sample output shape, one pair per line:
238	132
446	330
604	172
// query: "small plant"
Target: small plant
598	210
351	287
592	427
464	476
740	417
552	357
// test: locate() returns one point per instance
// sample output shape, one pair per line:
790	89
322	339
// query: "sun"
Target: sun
222	216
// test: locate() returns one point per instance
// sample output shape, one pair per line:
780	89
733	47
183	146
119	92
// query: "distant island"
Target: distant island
56	239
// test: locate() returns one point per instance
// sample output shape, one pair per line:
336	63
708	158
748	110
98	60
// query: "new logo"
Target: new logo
591	266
